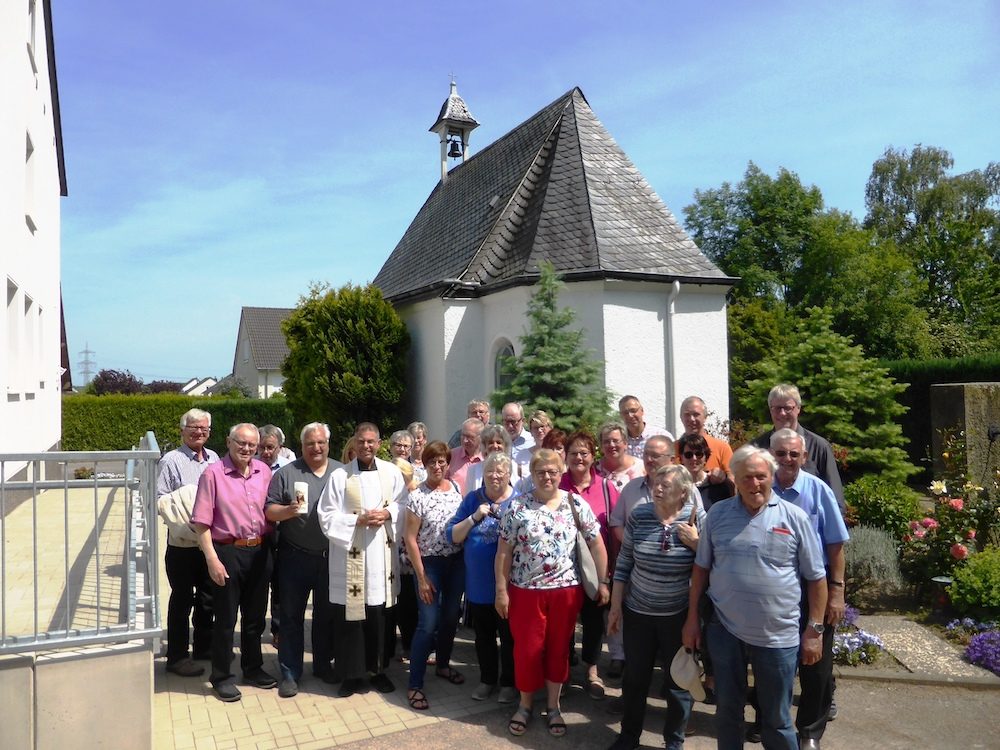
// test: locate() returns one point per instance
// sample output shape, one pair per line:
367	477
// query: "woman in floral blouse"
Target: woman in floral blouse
439	570
538	587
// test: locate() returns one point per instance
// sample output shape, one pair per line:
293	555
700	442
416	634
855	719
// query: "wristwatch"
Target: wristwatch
819	627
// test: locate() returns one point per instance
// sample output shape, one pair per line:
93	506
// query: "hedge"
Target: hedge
921	375
107	423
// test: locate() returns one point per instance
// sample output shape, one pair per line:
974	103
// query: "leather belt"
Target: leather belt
250	541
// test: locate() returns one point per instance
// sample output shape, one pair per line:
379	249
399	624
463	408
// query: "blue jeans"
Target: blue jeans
440	617
773	674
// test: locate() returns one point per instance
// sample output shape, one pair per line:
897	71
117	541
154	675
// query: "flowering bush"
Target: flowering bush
962	630
976	585
984	650
857	647
949	533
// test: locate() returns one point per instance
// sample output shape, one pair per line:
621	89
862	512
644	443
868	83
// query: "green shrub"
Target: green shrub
871	556
976	586
116	422
882	504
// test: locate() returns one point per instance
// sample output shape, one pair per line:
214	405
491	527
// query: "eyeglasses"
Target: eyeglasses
783	409
579	454
790	454
666	539
400	445
512	420
246	444
197	428
547	473
694	454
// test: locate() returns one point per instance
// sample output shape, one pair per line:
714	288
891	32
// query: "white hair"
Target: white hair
195	415
311	427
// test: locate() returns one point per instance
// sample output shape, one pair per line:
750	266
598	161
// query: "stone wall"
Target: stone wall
973	408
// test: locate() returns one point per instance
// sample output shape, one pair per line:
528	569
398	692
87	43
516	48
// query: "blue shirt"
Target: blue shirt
755	565
814	496
479	547
181	466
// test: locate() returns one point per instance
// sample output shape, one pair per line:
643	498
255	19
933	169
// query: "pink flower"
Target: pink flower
929	523
959	551
907	537
956	503
970	534
919	534
914	525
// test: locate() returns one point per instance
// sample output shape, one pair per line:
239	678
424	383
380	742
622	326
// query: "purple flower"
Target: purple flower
984	650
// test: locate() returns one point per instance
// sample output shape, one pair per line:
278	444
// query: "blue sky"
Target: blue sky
224	153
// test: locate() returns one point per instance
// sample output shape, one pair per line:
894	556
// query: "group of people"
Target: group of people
737	557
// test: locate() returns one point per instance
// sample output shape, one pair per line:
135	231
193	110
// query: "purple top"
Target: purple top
232	505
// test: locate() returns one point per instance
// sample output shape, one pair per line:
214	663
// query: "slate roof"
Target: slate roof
556	187
455	109
268	348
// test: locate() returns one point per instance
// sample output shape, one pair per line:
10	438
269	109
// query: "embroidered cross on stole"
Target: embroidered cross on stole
354	503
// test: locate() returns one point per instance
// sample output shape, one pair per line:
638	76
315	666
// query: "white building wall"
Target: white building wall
29	236
426	387
463	359
702	350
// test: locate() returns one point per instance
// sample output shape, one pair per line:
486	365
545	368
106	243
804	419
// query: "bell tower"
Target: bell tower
454	125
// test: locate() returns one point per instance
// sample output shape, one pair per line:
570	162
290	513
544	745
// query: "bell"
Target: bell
456	150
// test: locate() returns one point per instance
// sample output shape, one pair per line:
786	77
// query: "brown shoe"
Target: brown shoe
186	668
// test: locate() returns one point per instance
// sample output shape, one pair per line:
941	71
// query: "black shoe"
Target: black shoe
832	713
227	692
382	683
288	688
349	688
186	668
808	743
709	697
259	678
616	706
753	732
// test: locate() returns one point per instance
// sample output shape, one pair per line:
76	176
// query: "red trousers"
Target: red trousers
541	623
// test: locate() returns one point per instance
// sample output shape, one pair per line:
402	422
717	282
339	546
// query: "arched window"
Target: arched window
500	378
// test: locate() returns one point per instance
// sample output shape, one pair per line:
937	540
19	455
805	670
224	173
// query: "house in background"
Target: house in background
33	361
558	188
261	349
198	386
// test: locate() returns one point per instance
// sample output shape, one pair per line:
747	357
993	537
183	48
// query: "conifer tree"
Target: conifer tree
846	397
554	372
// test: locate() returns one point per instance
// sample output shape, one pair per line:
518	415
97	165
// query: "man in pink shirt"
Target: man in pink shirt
466	454
229	518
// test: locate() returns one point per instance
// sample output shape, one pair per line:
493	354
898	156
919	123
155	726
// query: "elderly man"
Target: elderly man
476	409
637	432
757	549
272	447
358	511
814	497
785	404
521	441
229	518
292	500
469	454
190	588
693	416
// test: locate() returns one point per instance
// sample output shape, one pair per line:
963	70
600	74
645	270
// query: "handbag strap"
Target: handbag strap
572	508
607	499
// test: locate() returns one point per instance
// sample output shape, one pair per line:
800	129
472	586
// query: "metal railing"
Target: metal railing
78	555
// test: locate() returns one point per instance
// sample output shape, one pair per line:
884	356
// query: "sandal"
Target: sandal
452	675
518	723
557	727
417	699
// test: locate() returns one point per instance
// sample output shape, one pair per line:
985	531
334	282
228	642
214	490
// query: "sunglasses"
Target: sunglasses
666	539
694	454
790	454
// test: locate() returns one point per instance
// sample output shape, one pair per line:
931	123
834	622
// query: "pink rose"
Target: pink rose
919	534
914	525
956	503
970	534
959	551
929	523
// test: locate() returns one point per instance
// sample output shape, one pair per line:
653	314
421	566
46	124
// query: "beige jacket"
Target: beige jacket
175	509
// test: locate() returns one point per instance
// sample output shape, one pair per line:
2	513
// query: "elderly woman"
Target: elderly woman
539	425
476	525
438	568
419	432
616	464
650	598
582	479
538	587
554	440
493	439
400	444
695	452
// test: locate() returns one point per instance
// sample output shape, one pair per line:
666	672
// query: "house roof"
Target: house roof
50	46
455	110
557	187
268	347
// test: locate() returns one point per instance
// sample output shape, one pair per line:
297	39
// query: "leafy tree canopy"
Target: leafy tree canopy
554	372
115	381
346	361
